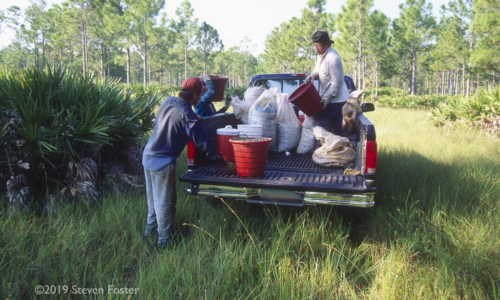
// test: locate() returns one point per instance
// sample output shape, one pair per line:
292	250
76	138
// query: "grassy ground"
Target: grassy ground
434	234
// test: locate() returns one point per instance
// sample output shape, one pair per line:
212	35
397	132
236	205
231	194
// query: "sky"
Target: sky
237	19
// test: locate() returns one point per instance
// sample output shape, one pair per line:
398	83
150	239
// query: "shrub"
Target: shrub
482	109
54	118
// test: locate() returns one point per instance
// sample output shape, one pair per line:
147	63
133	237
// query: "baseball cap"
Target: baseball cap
192	85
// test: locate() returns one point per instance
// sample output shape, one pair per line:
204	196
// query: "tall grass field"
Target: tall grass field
434	234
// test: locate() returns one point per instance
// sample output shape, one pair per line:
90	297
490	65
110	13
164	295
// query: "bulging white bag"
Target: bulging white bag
289	128
263	112
240	109
252	94
335	150
307	141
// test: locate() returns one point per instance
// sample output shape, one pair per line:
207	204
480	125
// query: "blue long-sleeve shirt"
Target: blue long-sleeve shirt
175	125
204	108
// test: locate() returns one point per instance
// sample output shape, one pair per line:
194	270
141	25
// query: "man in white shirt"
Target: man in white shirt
333	90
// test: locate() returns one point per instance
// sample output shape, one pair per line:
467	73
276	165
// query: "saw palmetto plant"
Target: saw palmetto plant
53	119
481	110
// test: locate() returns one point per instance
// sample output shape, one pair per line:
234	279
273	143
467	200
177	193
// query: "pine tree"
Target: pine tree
415	28
208	40
187	28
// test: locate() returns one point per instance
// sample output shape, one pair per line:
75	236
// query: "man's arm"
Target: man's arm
203	106
203	143
200	139
313	76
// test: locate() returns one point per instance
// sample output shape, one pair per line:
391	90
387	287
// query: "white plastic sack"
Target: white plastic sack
252	94
307	140
289	128
335	150
240	109
350	112
263	112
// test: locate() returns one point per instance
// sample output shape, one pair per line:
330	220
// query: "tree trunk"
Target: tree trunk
426	83
185	56
457	75
128	65
43	50
109	70
469	87
443	84
86	49
145	52
364	79
355	73
477	85
84	70
102	60
414	65
463	79
376	81
205	64
451	80
161	75
360	47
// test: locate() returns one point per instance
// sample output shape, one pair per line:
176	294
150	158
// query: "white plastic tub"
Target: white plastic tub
250	130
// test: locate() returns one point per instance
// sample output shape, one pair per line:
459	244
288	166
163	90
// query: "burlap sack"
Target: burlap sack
334	151
350	111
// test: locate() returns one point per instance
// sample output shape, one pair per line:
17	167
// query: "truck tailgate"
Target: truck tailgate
296	172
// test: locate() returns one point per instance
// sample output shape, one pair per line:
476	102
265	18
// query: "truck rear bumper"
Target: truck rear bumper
283	197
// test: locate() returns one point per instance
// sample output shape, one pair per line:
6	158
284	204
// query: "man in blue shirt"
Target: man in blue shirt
205	108
175	125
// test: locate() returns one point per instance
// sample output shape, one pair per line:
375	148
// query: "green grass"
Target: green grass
434	234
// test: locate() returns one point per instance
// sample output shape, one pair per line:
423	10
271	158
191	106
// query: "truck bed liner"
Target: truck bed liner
295	172
294	161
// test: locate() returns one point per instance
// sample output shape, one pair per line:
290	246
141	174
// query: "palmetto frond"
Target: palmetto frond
18	190
84	170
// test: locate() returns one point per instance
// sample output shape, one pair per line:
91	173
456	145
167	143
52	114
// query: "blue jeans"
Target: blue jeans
161	196
330	118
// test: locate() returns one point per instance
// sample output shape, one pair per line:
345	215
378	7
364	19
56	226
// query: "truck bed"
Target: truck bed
288	179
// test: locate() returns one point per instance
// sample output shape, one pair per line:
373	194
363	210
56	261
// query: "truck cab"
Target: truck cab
294	179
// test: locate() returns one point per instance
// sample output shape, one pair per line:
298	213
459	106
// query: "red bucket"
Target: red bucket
223	144
250	155
219	87
307	99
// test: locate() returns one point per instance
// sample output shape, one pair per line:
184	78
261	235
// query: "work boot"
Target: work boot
166	244
149	232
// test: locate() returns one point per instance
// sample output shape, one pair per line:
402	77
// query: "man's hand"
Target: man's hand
325	102
309	79
206	78
203	122
230	167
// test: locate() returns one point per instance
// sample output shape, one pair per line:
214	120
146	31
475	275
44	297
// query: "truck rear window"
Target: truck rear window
284	86
269	83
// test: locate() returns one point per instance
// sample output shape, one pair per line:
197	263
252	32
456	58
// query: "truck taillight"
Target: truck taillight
191	153
371	157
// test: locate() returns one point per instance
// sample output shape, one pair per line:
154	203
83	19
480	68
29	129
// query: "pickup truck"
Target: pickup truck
293	180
